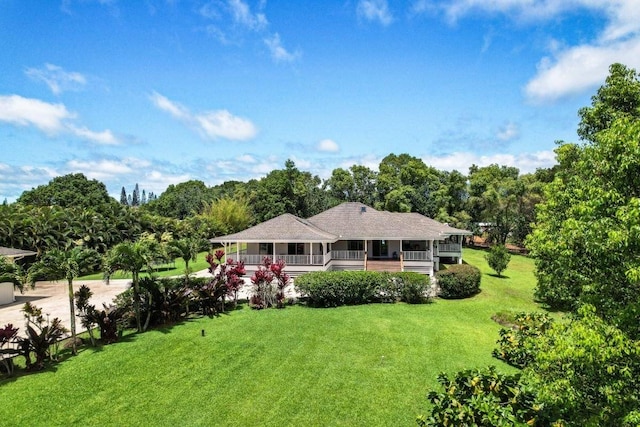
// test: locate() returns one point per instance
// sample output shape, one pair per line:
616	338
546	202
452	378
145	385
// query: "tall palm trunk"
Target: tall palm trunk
72	312
136	300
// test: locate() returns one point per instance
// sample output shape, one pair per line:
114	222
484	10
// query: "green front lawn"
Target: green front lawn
358	365
176	269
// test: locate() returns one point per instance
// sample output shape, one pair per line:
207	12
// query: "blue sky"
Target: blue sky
158	92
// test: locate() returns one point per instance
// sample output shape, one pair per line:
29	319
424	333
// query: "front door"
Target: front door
380	249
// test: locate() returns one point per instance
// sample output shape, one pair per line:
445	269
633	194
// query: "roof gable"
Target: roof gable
283	228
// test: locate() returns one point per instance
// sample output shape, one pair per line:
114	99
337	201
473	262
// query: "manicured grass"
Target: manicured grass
359	365
199	264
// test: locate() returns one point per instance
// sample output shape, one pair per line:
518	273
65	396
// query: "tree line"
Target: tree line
72	209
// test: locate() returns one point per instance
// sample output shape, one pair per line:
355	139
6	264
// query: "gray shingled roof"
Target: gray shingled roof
358	221
347	221
284	228
15	253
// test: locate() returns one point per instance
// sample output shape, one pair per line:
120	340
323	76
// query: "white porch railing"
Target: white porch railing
417	256
449	247
288	259
346	255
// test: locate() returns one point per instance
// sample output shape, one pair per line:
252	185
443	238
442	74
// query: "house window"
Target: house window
265	249
296	249
355	245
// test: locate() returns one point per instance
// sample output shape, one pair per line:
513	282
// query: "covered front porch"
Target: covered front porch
301	257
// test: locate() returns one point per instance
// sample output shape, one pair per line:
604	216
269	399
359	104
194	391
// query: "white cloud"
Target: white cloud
158	181
568	70
49	118
99	169
508	132
57	78
375	10
246	158
241	13
163	103
223	124
52	119
580	68
278	52
105	137
461	161
328	145
210	124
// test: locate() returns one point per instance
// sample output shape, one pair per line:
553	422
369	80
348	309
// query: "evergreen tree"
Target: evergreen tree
143	199
135	199
123	197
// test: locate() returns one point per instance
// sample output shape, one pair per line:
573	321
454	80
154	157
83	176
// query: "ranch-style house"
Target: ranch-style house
350	236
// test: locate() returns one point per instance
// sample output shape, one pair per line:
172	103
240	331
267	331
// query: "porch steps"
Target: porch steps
383	265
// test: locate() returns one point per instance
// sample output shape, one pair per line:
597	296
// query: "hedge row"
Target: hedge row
459	281
335	288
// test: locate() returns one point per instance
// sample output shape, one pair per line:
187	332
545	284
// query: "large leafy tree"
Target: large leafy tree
59	264
406	184
586	239
181	201
494	195
356	184
227	214
618	98
287	190
67	191
133	257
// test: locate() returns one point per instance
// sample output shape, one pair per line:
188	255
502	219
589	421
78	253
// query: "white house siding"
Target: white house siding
6	293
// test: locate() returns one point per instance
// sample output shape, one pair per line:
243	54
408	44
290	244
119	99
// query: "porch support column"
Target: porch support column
365	254
324	254
237	251
431	249
274	252
311	253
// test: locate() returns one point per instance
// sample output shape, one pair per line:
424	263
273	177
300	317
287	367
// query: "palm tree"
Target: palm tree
69	264
186	248
14	273
133	257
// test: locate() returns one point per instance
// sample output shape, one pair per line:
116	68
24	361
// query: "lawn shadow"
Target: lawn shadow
497	276
22	299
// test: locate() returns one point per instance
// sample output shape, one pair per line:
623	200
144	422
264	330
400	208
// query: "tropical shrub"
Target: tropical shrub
8	347
82	297
226	281
517	345
265	294
498	258
413	287
41	336
481	397
109	321
459	281
335	288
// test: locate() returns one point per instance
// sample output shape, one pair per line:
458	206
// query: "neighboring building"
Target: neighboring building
350	236
6	289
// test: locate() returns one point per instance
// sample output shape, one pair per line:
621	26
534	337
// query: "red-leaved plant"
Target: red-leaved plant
264	293
226	282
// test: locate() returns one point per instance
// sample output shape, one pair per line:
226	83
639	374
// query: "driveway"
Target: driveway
53	298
